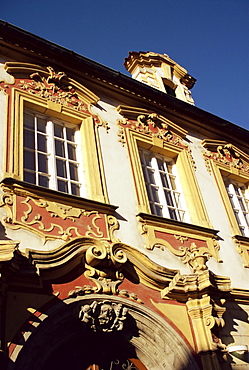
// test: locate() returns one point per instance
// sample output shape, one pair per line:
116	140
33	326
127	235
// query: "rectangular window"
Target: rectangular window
51	152
238	195
162	185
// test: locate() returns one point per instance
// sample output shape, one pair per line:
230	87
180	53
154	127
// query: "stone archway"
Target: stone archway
144	341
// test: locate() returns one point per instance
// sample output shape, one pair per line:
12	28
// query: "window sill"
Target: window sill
178	237
55	215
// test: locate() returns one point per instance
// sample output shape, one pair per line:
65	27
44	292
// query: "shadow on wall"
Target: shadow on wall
3	235
235	331
61	341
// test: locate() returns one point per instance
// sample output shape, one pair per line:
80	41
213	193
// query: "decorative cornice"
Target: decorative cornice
146	118
105	264
7	249
226	155
242	243
184	287
51	85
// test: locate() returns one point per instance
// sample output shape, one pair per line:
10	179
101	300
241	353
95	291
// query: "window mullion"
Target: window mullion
36	152
51	156
67	159
159	183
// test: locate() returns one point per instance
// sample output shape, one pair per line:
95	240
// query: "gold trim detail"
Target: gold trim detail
193	244
226	155
103	265
51	85
63	219
141	128
226	160
54	94
243	248
205	298
7	249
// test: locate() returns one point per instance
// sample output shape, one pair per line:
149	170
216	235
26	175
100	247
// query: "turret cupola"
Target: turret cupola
162	73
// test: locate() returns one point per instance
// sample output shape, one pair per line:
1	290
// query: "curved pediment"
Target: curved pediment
45	82
150	123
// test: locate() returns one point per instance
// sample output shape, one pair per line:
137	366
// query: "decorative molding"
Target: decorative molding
150	119
103	265
7	249
50	84
242	243
103	316
206	316
185	287
196	258
205	296
121	135
32	208
193	244
153	125
226	155
88	289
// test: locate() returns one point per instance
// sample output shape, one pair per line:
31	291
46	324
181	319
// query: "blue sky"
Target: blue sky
208	38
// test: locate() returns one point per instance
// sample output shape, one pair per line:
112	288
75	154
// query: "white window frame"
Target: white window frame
177	209
239	199
51	153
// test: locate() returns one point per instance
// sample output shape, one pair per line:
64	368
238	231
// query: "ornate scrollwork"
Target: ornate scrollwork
103	316
150	124
195	257
103	267
54	220
226	154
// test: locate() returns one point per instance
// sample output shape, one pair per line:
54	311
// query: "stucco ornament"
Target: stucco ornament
103	265
103	316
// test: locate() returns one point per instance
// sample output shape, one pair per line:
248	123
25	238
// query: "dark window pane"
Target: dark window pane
70	134
73	171
160	165
41	124
75	189
61	168
42	143
59	148
42	163
43	181
147	160
158	210
58	131
29	139
151	178
154	194
172	214
71	152
168	197
29	160
169	90
164	180
62	186
29	177
29	120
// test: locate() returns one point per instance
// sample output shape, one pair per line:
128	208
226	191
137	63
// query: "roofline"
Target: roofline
18	37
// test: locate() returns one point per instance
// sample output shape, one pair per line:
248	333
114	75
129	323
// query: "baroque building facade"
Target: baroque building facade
124	216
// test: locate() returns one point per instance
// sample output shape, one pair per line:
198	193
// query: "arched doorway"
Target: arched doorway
144	341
